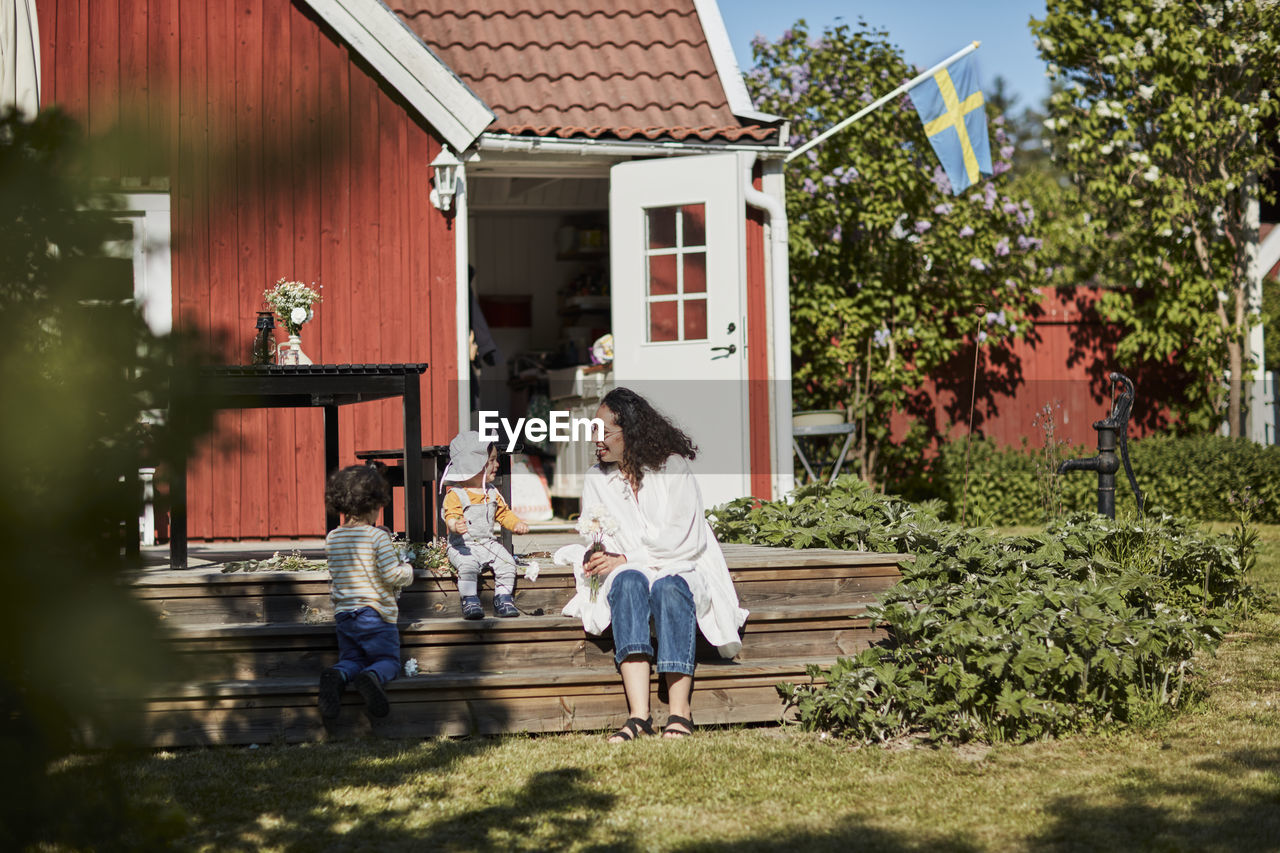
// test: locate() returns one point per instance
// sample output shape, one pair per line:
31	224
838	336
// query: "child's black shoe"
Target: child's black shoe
332	685
375	698
471	608
504	606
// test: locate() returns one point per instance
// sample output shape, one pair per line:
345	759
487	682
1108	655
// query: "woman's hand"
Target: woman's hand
602	562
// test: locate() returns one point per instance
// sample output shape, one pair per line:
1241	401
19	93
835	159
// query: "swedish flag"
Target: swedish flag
950	105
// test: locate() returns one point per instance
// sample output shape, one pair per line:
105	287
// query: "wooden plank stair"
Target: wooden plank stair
253	645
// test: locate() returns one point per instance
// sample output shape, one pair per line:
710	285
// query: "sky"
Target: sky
927	31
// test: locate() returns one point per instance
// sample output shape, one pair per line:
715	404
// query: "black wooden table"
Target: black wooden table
291	386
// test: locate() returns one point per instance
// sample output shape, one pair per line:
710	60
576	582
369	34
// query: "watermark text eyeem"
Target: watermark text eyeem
560	426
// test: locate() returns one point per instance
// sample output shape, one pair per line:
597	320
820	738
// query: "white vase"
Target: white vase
290	352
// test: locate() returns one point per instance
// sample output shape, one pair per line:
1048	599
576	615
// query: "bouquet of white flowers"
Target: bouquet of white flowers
594	524
292	301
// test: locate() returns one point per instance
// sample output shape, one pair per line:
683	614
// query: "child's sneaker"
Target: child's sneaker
332	685
471	608
375	698
504	606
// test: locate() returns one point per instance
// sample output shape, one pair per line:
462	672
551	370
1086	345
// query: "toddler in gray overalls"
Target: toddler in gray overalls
471	507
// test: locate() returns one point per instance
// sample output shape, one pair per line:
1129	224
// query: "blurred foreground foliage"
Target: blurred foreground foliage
84	384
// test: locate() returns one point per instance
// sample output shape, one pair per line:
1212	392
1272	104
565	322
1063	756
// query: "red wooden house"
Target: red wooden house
598	140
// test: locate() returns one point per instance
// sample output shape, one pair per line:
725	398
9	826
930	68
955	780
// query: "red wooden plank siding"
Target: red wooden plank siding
758	353
308	179
47	20
139	149
250	239
278	212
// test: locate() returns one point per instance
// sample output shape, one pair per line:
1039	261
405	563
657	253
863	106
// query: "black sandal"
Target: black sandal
632	729
675	733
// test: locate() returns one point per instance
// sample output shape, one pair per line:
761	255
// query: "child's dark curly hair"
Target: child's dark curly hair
357	490
648	438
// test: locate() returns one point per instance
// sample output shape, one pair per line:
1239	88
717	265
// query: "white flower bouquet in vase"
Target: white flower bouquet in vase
292	301
595	523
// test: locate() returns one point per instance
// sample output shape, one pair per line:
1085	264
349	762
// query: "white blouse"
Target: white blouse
662	530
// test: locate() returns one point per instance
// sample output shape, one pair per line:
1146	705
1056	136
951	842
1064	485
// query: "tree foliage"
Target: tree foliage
888	268
1160	119
78	367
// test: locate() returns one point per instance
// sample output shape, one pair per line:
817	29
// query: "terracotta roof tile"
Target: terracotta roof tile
589	68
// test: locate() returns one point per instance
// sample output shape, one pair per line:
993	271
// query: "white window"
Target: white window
147	214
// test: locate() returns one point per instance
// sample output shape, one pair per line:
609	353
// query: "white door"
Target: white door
678	275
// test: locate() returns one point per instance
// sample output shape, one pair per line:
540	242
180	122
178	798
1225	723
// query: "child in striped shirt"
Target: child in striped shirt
366	576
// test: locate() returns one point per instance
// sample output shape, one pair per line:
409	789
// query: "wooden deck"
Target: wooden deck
253	645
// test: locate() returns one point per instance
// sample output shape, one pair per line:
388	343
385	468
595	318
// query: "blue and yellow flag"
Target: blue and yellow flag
950	105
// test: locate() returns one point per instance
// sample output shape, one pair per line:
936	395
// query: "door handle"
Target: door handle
729	350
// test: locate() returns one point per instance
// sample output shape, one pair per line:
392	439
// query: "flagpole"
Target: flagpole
914	81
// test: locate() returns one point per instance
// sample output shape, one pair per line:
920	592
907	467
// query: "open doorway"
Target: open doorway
539	254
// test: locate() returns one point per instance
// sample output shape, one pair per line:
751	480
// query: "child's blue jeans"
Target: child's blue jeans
365	641
670	603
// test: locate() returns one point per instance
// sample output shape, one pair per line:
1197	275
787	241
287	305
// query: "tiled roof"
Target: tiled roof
584	68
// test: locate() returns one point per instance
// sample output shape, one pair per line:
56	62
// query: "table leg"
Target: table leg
178	495
835	472
795	443
414	515
330	458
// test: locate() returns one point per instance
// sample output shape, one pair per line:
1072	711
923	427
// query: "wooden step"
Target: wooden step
762	576
458	645
283	710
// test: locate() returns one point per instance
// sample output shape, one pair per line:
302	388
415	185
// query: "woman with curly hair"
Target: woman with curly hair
661	562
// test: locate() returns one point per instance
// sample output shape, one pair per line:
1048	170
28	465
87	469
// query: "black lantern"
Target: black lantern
264	342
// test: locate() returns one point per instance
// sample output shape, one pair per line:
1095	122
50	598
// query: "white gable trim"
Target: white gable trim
408	65
726	63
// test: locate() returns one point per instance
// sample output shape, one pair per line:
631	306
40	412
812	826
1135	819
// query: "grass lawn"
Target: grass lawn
1207	780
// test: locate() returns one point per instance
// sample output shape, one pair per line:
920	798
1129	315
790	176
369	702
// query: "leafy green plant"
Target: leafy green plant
1092	623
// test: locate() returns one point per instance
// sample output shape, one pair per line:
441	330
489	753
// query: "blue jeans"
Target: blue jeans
367	642
669	603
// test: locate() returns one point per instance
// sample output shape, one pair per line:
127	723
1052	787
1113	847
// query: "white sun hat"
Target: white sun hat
468	454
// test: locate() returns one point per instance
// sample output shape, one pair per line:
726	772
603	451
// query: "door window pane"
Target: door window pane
695	225
662	321
662	275
662	227
695	320
695	272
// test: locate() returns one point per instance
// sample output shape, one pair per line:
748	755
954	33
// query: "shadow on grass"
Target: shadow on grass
1148	813
847	834
367	796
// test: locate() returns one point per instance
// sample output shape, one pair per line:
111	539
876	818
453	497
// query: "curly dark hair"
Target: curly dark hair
648	437
357	490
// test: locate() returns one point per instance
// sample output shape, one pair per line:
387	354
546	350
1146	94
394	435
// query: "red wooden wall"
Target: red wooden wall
285	156
1064	362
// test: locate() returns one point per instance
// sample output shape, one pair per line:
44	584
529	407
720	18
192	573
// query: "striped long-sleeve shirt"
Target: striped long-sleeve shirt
364	570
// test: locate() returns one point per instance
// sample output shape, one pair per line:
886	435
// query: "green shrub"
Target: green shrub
1185	476
1089	624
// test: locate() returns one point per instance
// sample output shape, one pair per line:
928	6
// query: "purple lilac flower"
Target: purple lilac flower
1011	284
977	264
999	167
1013	328
943	209
966	231
882	337
1006	151
998	121
865	97
836	233
1002	247
828	181
1009	207
982	336
809	186
911	331
1023	218
850	175
940	180
923	225
989	196
1025	242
